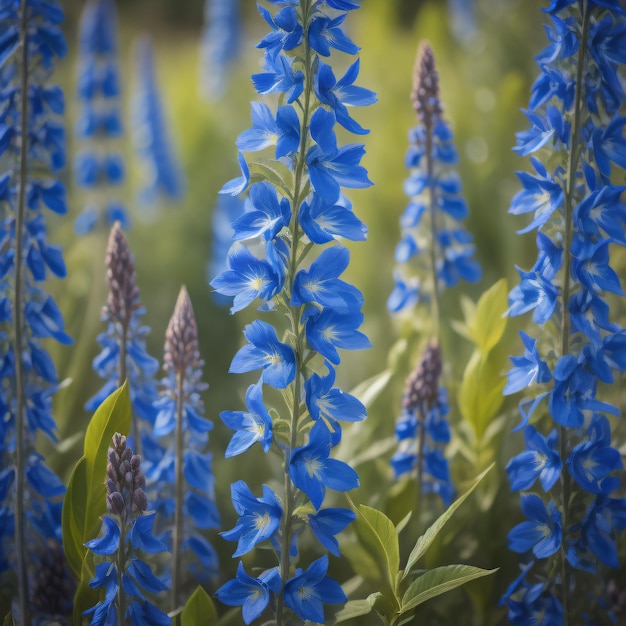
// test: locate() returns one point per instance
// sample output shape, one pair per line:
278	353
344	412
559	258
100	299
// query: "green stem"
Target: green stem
420	461
572	167
120	563
435	300
20	421
295	313
178	513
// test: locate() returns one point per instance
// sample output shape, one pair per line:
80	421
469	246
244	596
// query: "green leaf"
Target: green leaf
439	580
85	499
425	541
489	322
85	597
275	172
377	534
401	525
354	608
480	394
199	609
8	619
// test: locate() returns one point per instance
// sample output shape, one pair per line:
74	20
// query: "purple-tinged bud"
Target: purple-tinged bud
123	298
115	503
140	502
422	385
181	337
425	94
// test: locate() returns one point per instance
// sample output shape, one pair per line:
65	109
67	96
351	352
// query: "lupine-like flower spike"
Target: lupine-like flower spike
576	135
124	355
181	471
162	175
99	164
422	429
32	146
276	260
221	41
126	531
434	241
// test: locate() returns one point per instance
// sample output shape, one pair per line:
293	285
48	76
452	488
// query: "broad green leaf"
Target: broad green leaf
480	394
426	540
489	322
85	500
401	525
199	609
74	511
377	534
354	608
8	619
439	580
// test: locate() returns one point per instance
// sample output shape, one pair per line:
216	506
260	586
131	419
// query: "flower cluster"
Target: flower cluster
422	429
126	530
221	41
99	165
161	172
433	238
32	146
296	207
579	215
180	471
124	356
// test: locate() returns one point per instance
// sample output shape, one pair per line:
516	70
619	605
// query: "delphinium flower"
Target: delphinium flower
161	173
281	260
422	430
99	164
124	356
570	471
126	533
182	474
219	48
32	151
434	253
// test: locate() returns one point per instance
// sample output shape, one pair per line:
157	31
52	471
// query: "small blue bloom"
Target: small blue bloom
542	533
311	469
259	518
306	592
323	222
327	523
250	426
527	369
264	351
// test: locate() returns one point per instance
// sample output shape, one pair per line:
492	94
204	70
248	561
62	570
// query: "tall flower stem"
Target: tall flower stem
435	296
20	425
573	158
179	496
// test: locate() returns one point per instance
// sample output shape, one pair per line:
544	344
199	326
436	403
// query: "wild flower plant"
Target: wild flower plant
99	164
124	356
126	533
296	206
576	135
161	173
435	244
181	470
221	42
32	146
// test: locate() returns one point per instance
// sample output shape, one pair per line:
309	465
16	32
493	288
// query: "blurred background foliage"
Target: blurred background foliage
486	70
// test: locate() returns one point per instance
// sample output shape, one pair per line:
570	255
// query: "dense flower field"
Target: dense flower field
312	311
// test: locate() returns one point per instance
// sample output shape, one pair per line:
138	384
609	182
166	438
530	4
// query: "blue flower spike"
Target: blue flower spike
126	532
32	153
308	312
180	469
576	145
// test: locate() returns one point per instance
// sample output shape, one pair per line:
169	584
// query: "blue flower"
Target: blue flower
279	77
320	283
311	469
323	222
527	369
329	522
325	33
253	594
540	460
283	131
306	592
259	518
250	426
541	533
592	461
265	352
268	216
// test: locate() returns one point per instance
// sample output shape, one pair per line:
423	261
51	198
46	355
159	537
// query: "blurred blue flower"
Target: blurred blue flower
541	533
